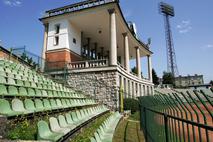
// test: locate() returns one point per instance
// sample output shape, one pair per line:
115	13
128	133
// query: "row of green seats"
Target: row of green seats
63	124
106	130
19	107
10	90
11	68
28	78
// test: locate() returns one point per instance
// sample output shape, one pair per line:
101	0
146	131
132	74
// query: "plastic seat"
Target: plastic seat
31	92
18	106
44	93
69	119
38	92
23	91
50	93
44	132
12	91
47	105
11	81
53	104
20	83
39	105
27	84
3	90
3	80
54	125
29	105
6	108
59	104
63	123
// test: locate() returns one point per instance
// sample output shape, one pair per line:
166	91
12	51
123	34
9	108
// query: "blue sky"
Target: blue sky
191	27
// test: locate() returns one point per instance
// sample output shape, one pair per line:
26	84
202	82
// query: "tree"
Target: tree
211	82
168	78
134	70
131	104
155	77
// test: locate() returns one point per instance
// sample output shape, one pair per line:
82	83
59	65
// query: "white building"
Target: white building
93	36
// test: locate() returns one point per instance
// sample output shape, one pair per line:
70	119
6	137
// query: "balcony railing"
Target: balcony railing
76	7
87	64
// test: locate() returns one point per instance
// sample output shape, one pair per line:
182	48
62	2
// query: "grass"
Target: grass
135	116
90	130
128	130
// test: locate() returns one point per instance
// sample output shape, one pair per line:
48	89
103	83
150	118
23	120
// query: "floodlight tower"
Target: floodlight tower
168	11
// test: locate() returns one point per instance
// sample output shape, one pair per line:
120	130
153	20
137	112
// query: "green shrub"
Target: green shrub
24	130
131	104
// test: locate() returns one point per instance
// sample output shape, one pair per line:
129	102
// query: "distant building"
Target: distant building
186	81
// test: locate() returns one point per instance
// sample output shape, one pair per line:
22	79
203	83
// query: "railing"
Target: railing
76	7
87	64
177	117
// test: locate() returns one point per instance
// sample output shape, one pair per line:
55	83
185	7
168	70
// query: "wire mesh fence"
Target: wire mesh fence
183	116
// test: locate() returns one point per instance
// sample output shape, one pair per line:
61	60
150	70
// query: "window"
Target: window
74	40
57	29
56	40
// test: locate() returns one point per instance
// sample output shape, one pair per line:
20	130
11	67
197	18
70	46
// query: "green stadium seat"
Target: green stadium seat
55	94
44	132
6	108
39	86
44	93
59	104
13	91
53	104
20	82
39	105
23	91
50	93
31	92
38	92
69	119
33	84
29	105
18	106
54	125
47	104
63	123
3	80
2	73
27	84
3	90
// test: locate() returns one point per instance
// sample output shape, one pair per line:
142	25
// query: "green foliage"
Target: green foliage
168	78
23	130
89	131
131	104
155	77
134	70
211	82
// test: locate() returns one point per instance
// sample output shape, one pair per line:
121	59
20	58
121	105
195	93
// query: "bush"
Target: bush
131	104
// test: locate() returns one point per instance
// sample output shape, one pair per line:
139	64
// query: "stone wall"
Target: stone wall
101	85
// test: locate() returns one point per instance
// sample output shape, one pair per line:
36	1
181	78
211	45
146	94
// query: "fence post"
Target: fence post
145	129
166	127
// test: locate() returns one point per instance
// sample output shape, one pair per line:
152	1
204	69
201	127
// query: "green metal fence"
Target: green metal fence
182	116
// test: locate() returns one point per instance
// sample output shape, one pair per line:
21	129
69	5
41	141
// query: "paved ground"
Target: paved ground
128	131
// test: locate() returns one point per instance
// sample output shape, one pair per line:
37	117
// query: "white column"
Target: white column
149	67
113	38
126	51
127	89
138	61
44	46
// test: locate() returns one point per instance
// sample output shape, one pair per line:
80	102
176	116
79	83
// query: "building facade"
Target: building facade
92	41
190	80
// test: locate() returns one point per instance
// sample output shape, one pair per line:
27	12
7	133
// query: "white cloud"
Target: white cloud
208	46
184	27
12	3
